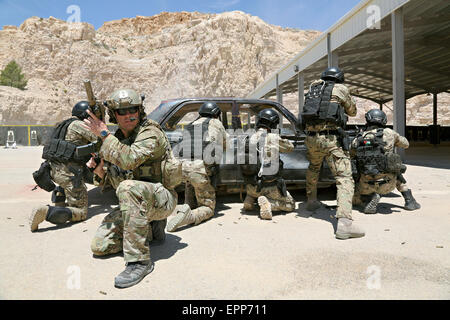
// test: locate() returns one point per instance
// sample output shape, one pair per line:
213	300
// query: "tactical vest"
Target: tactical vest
318	108
58	149
197	133
371	158
166	169
253	168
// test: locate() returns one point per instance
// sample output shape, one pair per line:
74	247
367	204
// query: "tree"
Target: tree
12	76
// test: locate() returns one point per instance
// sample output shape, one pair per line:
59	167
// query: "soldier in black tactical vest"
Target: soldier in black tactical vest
379	167
324	115
207	140
265	183
66	169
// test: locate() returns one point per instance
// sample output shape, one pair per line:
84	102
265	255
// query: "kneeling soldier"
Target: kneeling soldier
66	170
380	168
268	187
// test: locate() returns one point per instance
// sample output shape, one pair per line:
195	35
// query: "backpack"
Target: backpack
318	107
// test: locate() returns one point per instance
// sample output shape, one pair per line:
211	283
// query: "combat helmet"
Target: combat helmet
209	109
124	99
334	74
376	117
79	110
267	118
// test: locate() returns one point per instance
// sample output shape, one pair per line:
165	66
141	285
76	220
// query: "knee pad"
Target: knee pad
58	215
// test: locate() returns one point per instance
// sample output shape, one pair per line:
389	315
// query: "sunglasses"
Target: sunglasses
131	110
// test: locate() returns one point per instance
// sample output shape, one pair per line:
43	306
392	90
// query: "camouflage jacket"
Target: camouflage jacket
216	131
78	134
137	157
341	95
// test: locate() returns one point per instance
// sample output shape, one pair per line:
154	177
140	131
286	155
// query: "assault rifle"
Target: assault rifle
97	106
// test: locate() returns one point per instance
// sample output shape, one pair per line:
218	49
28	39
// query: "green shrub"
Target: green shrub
12	76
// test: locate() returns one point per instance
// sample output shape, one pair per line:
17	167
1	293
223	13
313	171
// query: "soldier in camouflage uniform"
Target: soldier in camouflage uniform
141	167
197	173
369	189
71	197
323	141
269	189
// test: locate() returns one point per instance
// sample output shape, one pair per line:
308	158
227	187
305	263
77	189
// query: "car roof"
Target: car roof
166	106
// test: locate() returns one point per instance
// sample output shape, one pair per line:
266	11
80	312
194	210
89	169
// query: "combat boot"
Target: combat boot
410	202
249	203
183	217
347	229
265	208
371	206
133	273
55	215
158	230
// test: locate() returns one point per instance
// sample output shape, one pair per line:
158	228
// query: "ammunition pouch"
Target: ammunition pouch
43	178
58	195
394	163
344	139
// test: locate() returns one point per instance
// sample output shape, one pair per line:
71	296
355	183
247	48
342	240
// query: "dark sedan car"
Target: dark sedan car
237	114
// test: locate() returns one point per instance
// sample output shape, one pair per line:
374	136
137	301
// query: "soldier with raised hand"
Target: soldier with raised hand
268	187
380	168
141	167
70	197
209	131
324	115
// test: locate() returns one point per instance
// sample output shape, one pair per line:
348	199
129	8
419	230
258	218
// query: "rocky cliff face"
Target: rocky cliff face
169	55
165	56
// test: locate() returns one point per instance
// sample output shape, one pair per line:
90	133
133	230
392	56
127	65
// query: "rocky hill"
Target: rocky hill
169	55
165	56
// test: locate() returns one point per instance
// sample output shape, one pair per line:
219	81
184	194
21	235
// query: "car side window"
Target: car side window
184	115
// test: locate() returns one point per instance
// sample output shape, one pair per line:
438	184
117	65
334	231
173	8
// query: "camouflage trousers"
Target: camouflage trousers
74	189
381	184
195	174
128	227
272	193
327	147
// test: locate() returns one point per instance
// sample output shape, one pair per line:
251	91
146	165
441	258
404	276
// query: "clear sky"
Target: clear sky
300	14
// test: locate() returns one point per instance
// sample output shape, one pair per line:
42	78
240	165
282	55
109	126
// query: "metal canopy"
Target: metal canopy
366	57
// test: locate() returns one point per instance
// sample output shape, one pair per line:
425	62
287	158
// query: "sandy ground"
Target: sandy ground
236	255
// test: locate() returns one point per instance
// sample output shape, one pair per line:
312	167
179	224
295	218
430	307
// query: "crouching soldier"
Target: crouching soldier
66	169
380	168
141	168
199	169
268	187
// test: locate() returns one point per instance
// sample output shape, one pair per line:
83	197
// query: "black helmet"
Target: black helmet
334	74
209	109
268	118
79	110
376	117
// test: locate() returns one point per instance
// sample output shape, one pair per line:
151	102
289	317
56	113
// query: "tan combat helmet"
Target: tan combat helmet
123	99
